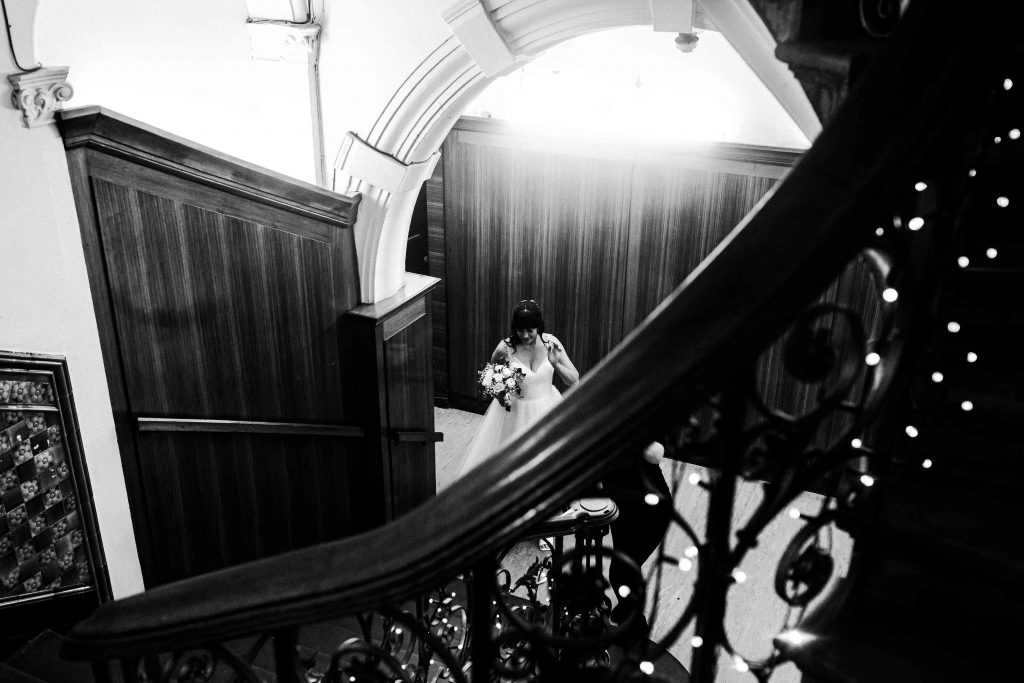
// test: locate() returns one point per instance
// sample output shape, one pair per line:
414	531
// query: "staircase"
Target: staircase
938	594
941	594
39	662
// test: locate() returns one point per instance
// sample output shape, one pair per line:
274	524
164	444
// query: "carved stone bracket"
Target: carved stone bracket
38	94
283	41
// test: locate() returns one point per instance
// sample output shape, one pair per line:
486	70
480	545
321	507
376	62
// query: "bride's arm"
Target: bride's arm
560	359
500	352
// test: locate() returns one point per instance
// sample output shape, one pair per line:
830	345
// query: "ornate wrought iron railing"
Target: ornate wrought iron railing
430	599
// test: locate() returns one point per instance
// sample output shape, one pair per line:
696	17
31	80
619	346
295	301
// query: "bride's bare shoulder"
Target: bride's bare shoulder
551	341
502	351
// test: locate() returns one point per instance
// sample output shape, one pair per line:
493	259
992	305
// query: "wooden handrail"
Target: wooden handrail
740	299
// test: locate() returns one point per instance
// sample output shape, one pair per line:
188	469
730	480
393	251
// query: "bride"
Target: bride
540	355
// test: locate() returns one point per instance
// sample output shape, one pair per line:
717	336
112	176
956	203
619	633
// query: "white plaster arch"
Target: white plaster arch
488	39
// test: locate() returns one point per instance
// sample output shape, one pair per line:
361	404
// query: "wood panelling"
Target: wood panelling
599	237
218	288
218	317
679	216
434	190
411	410
522	224
241	497
168	424
389	355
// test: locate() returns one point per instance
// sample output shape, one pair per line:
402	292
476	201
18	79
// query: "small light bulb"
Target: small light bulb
890	294
694	478
972	173
920	186
991	253
967	406
997	139
963	261
916	223
624	591
879	231
739	576
696	641
856	443
1003	202
691	552
685	563
911	431
953	326
926	463
867	480
652	499
1015	133
872	358
794	513
647	668
971	356
1007	84
398	631
937	377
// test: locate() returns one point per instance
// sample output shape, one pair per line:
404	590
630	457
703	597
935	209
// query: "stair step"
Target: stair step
978	346
9	674
892	648
964	450
987	285
957	521
1009	255
40	657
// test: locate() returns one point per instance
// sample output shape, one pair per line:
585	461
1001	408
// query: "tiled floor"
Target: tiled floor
755	612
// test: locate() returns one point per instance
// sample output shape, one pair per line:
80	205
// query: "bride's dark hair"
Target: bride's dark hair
525	316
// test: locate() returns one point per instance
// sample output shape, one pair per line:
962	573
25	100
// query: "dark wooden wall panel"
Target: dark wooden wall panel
437	268
242	497
219	288
598	237
409	381
218	317
681	215
522	224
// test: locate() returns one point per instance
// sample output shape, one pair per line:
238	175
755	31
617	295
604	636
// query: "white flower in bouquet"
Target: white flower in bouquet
501	381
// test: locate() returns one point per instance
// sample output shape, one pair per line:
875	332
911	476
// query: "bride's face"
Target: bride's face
528	337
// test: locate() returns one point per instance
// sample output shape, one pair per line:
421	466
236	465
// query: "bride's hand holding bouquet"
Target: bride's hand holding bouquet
503	381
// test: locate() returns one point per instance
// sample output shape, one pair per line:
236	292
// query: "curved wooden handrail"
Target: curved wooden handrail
740	298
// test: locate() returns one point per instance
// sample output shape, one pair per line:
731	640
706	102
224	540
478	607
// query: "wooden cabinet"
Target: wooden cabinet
388	355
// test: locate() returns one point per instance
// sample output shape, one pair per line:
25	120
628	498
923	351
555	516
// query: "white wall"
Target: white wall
356	89
46	307
185	67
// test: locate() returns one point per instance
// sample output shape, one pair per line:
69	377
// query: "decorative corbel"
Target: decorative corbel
368	164
40	93
284	41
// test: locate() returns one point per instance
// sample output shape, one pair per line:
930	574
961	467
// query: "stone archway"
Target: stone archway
391	162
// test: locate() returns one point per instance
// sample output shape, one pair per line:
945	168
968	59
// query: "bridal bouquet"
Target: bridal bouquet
502	381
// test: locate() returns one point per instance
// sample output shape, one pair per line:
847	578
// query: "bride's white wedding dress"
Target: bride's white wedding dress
538	396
